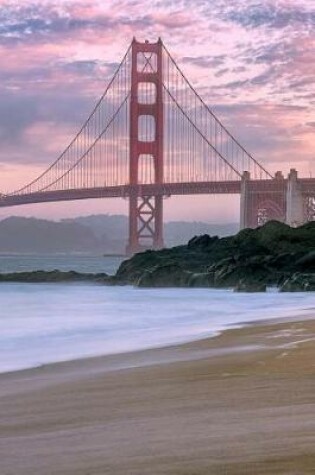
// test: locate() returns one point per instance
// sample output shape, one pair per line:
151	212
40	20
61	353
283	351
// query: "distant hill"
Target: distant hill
30	235
111	226
95	234
179	232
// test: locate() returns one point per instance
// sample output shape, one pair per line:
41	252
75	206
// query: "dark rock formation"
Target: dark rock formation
273	254
299	283
168	275
244	286
53	276
252	259
201	279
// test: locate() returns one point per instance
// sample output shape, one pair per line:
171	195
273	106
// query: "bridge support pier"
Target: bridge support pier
245	221
262	202
145	223
295	215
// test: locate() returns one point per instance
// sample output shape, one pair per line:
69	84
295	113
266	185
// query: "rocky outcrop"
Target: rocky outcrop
53	276
168	275
201	279
248	261
273	254
299	283
306	263
244	286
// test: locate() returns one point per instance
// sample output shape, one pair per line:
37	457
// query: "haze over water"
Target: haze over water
62	262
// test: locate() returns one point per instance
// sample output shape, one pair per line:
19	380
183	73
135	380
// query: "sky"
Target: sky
252	62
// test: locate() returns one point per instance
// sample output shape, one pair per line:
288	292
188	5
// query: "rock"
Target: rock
250	287
168	275
299	283
53	276
230	273
282	238
203	241
306	263
264	256
201	280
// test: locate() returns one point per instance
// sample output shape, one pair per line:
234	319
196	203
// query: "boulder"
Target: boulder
39	276
299	283
250	287
235	271
306	263
168	275
203	241
201	280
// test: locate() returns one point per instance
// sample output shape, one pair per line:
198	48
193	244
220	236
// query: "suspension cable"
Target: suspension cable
212	113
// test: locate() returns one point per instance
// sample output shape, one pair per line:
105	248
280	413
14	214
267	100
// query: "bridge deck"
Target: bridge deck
123	191
166	189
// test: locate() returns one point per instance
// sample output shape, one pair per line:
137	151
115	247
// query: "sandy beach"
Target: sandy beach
240	403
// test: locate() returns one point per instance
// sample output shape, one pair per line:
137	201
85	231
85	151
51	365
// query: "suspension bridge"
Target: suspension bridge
151	136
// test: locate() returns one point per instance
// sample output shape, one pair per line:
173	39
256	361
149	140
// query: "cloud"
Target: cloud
272	15
16	114
254	61
205	61
21	115
272	133
180	19
39	21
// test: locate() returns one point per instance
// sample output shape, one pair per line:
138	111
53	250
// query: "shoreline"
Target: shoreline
202	407
110	280
154	352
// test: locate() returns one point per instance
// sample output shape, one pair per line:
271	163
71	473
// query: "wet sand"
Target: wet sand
240	403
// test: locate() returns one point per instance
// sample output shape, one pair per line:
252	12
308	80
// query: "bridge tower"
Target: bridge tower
262	201
146	113
295	213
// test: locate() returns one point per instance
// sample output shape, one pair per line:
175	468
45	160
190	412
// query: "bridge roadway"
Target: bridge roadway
166	189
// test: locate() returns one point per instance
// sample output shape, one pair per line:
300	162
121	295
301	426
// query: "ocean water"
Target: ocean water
45	323
63	262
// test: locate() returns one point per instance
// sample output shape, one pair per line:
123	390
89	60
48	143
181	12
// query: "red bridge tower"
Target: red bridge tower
146	145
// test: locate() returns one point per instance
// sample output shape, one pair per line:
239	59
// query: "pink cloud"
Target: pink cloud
179	19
